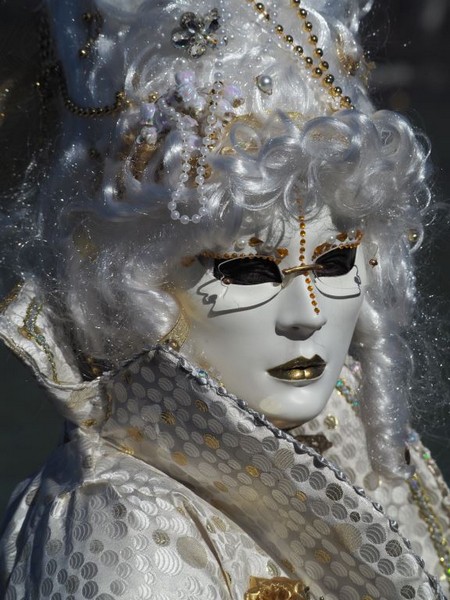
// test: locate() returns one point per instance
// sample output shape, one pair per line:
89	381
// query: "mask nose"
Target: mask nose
297	317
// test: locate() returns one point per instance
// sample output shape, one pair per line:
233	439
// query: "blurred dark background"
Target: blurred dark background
409	40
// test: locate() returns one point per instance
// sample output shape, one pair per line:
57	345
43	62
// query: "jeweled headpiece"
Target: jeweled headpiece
196	70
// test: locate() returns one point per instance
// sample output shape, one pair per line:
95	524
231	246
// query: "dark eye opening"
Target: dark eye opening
337	262
247	271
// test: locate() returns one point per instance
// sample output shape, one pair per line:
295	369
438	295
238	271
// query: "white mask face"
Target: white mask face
279	341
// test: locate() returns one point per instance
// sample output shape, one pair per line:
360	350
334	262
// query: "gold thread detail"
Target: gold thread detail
220	486
211	441
10	297
253	471
436	531
168	418
52	72
31	331
344	242
180	459
277	588
232	255
135	433
179	332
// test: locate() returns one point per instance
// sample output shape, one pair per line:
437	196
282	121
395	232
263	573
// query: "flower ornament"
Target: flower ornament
196	33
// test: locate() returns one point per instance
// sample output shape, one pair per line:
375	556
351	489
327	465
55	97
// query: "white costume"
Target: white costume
169	487
219	167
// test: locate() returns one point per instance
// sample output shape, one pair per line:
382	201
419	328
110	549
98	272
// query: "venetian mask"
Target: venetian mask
275	326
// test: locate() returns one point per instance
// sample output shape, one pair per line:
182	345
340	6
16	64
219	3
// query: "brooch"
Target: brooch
278	588
196	33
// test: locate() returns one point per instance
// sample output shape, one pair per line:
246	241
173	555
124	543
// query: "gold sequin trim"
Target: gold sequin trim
342	241
435	529
31	331
232	255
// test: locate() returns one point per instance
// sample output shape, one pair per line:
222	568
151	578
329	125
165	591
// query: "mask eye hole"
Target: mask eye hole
336	262
247	271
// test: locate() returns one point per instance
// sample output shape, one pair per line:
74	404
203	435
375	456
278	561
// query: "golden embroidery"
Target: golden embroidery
168	418
220	486
201	406
319	442
180	459
437	534
288	565
282	252
126	450
211	441
232	255
220	523
135	433
322	556
31	331
161	538
343	241
301	496
10	297
254	241
331	421
252	471
278	588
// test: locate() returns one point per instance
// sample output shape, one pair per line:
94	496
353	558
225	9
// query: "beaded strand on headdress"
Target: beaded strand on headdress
319	72
206	142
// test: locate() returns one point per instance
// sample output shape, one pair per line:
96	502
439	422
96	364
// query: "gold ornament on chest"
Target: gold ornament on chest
278	588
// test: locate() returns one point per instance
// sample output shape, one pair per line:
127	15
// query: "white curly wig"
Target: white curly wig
111	210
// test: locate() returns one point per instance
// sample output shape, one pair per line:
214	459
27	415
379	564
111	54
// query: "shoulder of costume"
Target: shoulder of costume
30	329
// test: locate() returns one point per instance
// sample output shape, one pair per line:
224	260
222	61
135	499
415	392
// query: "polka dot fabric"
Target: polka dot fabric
176	490
344	430
300	509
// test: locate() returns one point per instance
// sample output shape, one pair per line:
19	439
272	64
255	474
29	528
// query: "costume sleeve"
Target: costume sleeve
30	329
95	543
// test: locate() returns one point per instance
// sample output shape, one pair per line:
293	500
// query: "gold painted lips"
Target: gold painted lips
299	369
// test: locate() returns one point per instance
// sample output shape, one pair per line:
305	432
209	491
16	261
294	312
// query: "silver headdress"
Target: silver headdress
194	71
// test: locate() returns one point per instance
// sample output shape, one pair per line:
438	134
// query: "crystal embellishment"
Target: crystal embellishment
195	34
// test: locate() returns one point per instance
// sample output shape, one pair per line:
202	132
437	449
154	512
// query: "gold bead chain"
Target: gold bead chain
319	71
301	257
52	71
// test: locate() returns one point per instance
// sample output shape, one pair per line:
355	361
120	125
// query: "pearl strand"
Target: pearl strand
206	143
173	115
